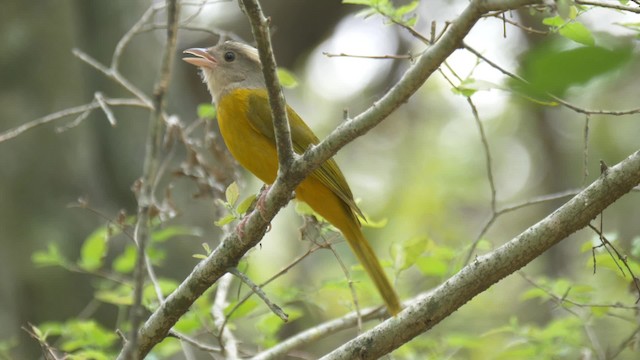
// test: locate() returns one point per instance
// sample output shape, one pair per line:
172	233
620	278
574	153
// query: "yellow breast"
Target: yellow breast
250	148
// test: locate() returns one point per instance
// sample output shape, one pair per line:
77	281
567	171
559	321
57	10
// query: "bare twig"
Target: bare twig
487	154
320	331
608	245
269	280
197	344
497	214
107	111
374	57
83	110
585	151
615	6
258	291
227	339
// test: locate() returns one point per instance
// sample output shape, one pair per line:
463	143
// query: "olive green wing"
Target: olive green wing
302	137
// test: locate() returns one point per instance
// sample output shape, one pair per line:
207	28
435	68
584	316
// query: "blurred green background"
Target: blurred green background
423	170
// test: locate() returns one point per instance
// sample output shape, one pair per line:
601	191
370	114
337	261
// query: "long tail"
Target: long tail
369	260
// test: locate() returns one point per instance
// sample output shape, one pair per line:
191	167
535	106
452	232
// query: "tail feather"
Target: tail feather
369	261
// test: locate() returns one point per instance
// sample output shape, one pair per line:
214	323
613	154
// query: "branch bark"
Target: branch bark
486	270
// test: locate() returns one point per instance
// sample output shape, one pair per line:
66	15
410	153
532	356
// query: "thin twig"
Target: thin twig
497	214
607	244
115	75
374	57
585	151
615	6
487	153
261	294
269	280
107	111
345	271
320	331
197	344
225	336
81	109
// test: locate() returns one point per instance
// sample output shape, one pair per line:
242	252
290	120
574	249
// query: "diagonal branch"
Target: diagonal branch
486	270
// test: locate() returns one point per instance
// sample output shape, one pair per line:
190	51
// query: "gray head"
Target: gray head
227	66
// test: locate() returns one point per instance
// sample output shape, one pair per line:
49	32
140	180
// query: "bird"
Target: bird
232	72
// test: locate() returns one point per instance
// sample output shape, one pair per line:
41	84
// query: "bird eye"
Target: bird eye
229	56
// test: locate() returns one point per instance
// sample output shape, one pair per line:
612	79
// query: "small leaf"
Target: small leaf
431	267
405	9
172	231
406	253
357	2
577	32
224	220
94	249
232	193
534	293
555	21
287	79
119	297
199	256
125	262
206	111
50	257
246	204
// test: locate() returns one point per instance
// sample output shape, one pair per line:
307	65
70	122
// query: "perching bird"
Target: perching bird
233	74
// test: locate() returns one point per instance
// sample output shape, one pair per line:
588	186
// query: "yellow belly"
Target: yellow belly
251	149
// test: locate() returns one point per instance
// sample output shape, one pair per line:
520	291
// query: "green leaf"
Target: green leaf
172	231
287	79
245	204
84	335
119	296
534	293
224	220
206	111
94	249
50	257
232	193
432	267
357	2
555	21
125	262
406	253
577	32
244	309
549	69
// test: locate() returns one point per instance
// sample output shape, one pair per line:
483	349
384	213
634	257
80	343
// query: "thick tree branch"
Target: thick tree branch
486	270
233	247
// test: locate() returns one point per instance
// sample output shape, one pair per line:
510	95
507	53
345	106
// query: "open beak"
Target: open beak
202	58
